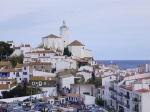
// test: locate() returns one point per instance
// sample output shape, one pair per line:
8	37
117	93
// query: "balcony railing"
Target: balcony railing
111	88
136	100
136	109
114	98
128	106
120	94
126	96
121	102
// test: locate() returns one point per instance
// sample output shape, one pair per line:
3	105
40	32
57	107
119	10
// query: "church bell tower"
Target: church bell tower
64	35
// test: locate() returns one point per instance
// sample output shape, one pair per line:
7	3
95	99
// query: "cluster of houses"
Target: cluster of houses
59	75
127	90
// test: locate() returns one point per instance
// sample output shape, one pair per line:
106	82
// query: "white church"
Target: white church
54	42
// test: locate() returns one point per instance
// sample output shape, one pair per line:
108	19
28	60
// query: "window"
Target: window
20	78
24	73
17	74
33	83
40	83
15	78
43	54
25	68
7	82
44	83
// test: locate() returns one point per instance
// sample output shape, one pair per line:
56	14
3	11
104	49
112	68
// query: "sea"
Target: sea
125	64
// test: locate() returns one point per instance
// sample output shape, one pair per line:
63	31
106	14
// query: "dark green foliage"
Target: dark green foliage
16	59
76	80
79	64
100	102
53	70
97	82
25	88
67	52
5	50
20	90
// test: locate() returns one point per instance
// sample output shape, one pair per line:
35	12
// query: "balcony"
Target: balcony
136	100
128	106
127	96
114	98
111	88
121	102
136	109
120	94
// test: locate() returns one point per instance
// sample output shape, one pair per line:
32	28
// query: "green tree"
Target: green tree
25	88
97	82
67	52
100	102
16	59
5	50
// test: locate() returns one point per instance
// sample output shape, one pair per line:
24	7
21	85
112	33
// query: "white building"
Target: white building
66	64
41	55
78	50
54	42
6	85
81	99
129	93
22	49
83	89
66	80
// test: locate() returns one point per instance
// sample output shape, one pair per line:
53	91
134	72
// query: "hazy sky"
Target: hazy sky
112	29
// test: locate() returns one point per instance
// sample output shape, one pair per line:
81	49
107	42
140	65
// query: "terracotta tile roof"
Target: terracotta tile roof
41	51
4	63
39	63
102	87
58	50
25	45
5	70
37	78
16	47
82	60
76	43
42	78
107	70
132	74
51	36
20	65
15	70
10	41
145	78
65	76
74	95
100	73
126	87
4	86
143	90
13	80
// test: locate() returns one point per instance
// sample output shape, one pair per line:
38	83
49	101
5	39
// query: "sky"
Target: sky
112	29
